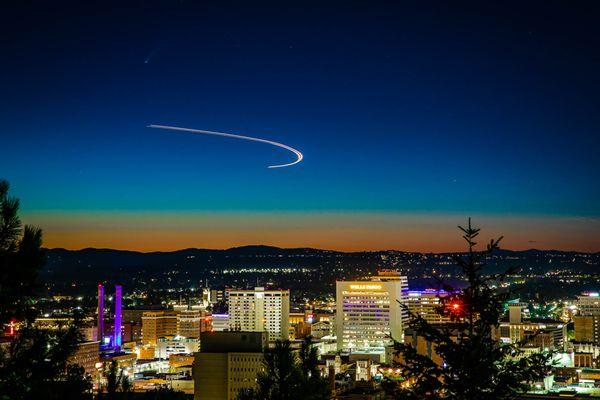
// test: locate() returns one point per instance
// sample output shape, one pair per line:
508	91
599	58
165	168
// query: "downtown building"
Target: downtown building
587	323
227	363
427	304
534	334
370	313
158	324
260	310
191	322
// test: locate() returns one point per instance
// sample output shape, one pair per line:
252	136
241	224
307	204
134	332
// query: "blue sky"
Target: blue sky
487	109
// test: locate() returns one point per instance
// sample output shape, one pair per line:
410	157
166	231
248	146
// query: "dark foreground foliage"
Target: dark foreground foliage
34	364
476	366
289	375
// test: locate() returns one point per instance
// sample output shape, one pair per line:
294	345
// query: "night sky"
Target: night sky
411	118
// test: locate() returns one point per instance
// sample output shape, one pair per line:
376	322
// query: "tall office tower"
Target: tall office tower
100	312
157	324
118	316
426	303
227	363
369	313
260	310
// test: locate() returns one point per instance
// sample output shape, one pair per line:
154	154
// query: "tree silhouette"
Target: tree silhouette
289	376
315	387
21	257
475	365
34	365
117	383
281	378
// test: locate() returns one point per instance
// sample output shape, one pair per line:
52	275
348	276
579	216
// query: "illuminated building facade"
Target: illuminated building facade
587	328
369	313
115	339
588	304
260	310
157	324
176	345
220	322
86	355
526	331
426	303
587	323
189	323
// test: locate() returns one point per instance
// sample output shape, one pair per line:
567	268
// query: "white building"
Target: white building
369	312
260	310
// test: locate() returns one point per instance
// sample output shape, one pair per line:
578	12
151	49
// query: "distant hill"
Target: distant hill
298	267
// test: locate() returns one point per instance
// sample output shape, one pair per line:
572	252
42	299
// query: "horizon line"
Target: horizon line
311	248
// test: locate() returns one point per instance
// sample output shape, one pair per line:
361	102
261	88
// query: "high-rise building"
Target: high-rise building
157	324
260	310
369	313
227	363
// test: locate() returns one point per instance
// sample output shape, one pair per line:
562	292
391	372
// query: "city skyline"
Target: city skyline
233	200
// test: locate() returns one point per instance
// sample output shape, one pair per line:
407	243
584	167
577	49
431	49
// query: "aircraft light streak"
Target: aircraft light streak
299	155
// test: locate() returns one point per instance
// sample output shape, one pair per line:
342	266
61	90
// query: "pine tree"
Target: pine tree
35	363
475	365
21	258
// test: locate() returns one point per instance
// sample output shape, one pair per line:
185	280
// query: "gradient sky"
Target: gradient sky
411	117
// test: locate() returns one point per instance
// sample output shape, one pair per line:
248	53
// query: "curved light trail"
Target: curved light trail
298	154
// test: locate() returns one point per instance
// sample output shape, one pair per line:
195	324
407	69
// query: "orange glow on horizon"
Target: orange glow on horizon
156	231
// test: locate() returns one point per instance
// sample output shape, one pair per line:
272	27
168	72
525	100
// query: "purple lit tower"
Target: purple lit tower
117	332
100	312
